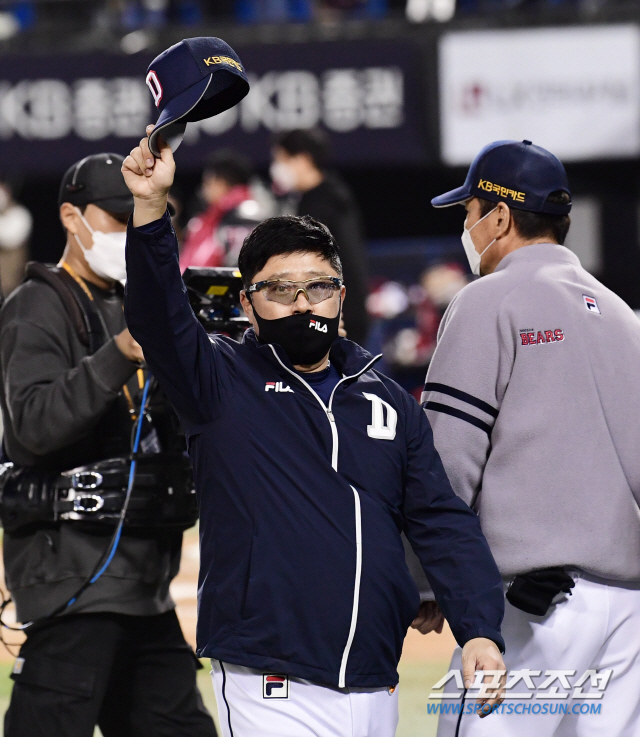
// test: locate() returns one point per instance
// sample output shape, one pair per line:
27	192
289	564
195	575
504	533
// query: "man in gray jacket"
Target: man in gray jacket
533	395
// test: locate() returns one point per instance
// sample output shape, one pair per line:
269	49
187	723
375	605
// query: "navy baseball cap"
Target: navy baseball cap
193	80
515	172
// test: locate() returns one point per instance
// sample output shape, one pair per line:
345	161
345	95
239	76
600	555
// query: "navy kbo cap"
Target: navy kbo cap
193	80
514	172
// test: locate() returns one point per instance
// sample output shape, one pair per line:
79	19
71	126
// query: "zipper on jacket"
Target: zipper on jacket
334	463
356	593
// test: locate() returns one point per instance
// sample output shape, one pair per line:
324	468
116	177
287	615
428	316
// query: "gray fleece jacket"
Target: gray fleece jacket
533	394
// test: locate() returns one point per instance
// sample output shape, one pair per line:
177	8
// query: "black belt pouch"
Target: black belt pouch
534	591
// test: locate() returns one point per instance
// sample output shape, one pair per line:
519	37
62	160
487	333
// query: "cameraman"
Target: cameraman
118	658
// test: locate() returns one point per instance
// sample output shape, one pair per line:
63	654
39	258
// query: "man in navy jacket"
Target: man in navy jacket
308	466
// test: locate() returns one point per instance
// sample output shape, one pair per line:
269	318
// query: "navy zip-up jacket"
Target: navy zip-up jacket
301	505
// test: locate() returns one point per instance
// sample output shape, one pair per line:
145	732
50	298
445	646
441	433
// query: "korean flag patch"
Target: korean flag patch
275	686
591	304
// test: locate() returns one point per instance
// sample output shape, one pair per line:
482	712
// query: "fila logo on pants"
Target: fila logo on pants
275	686
379	429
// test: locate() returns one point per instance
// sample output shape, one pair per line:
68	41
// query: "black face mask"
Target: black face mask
305	338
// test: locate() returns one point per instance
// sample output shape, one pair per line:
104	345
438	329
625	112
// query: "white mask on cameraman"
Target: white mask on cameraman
474	257
283	176
106	257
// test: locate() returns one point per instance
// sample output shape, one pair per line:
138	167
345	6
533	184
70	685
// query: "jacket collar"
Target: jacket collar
549	252
348	357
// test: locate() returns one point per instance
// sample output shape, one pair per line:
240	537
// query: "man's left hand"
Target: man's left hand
482	654
429	618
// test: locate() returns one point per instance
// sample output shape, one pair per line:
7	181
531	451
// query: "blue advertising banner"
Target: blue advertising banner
367	94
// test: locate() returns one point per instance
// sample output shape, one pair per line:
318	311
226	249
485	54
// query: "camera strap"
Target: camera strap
81	309
77	300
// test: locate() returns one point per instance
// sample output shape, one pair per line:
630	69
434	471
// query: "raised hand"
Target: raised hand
149	180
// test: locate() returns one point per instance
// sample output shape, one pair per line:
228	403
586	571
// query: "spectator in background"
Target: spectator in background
157	13
407	321
214	237
335	11
326	11
273	11
299	166
441	282
438	285
15	228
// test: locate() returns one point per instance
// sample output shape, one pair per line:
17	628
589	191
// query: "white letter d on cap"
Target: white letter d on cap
378	429
153	83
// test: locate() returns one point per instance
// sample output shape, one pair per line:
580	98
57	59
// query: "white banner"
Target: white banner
574	91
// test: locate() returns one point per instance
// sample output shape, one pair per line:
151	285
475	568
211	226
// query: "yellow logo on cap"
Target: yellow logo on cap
501	191
222	60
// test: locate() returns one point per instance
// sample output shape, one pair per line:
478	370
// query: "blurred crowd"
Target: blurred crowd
132	15
388	315
15	231
129	15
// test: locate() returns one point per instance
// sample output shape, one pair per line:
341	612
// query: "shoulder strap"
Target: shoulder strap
80	309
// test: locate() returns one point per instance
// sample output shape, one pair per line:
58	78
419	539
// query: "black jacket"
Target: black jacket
62	408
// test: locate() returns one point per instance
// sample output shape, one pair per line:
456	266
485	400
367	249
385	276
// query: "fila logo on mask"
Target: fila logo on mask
318	326
277	387
379	429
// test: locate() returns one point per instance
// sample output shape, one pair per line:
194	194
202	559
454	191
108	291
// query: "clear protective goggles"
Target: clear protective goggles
315	290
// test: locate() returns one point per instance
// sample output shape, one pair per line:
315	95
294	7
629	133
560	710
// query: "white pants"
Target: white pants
598	627
256	704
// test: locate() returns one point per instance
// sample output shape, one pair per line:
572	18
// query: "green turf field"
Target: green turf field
415	682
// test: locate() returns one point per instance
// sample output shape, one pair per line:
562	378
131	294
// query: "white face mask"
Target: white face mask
106	257
474	257
283	176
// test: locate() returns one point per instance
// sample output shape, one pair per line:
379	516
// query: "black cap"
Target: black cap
518	173
193	80
97	180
